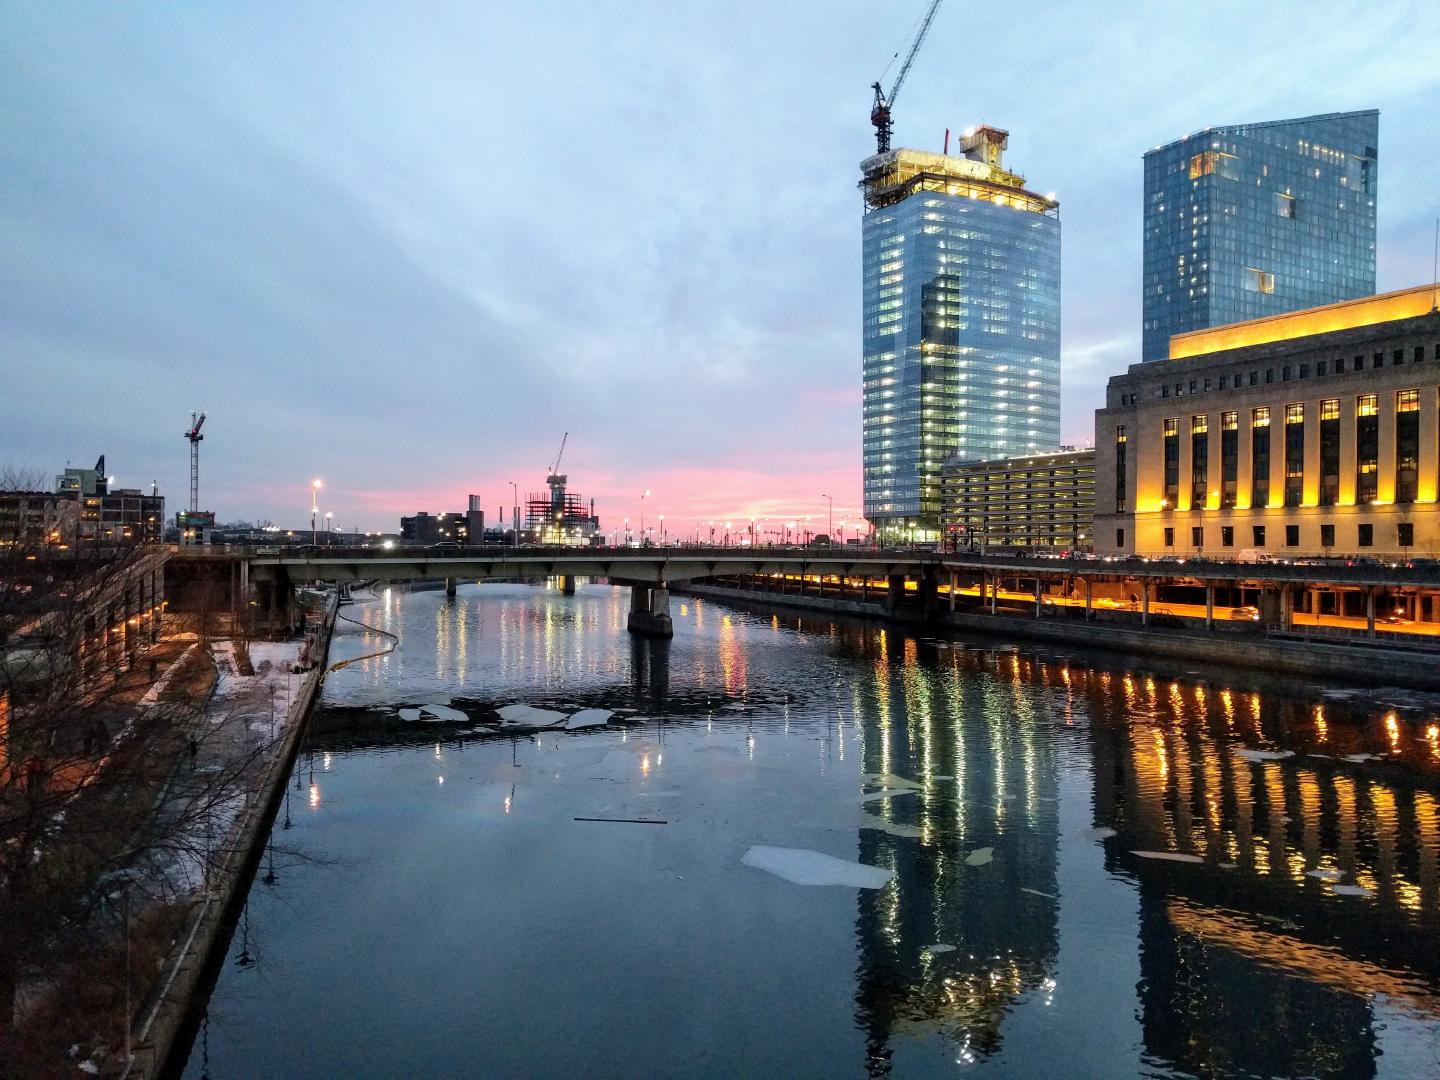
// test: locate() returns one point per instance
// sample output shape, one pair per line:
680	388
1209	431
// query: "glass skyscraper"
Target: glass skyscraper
1253	220
961	324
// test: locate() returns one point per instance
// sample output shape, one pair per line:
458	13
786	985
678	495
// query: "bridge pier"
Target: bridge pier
894	592
567	584
450	587
650	611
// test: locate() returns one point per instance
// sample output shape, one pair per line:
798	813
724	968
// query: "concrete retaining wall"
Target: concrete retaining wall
165	1026
1359	663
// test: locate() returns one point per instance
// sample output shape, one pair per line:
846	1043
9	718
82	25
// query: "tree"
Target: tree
98	784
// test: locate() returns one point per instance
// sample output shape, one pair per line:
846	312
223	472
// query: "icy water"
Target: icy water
448	916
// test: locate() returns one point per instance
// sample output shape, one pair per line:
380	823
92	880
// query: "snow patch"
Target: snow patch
1264	755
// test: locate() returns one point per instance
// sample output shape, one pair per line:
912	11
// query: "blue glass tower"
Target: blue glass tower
961	324
1252	220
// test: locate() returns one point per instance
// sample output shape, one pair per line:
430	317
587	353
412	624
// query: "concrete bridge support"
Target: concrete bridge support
567	584
650	611
894	592
450	587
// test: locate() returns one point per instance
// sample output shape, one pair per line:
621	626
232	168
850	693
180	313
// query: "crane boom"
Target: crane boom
556	467
880	111
197	421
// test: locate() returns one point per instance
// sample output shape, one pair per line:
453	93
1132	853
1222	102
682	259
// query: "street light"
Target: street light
662	530
830	527
515	514
643	496
329	527
314	510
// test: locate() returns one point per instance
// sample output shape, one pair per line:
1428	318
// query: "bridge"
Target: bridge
895	577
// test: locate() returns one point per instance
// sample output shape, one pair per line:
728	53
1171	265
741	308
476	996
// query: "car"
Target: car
1396	618
446	544
1244	614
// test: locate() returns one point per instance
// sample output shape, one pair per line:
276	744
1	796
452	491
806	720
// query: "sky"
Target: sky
404	248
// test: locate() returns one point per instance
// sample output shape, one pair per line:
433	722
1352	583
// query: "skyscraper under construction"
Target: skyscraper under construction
961	323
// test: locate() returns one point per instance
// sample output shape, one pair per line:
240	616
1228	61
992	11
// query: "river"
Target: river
435	906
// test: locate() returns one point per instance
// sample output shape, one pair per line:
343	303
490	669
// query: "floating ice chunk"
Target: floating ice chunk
982	856
889	780
1351	890
1170	856
876	796
803	867
894	828
1362	757
625	710
1264	755
1229	865
1100	832
1037	892
939	776
1326	874
443	714
588	718
530	716
411	715
938	948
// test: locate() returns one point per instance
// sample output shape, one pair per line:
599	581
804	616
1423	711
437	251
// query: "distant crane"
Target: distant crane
197	421
556	467
880	111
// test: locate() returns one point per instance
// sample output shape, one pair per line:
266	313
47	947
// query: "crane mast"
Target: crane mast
880	110
197	421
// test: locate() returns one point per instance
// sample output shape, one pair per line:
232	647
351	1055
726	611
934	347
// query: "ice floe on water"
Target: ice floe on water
876	796
1037	892
980	857
1357	758
1265	755
889	780
529	716
800	866
894	828
587	718
1351	890
1325	874
410	715
938	948
1169	856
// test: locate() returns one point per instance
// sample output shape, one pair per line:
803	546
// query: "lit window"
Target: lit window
1366	405
1261	281
1407	401
1260	417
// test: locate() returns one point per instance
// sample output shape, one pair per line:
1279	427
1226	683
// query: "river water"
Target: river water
435	908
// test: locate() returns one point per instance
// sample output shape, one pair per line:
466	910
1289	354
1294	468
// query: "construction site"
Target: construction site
557	515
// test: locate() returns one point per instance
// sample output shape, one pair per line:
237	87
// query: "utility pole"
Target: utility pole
830	526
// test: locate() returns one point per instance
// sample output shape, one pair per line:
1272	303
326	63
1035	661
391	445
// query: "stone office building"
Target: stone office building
1306	434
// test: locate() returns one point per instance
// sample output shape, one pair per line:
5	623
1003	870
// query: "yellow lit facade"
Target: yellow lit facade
1347	315
1280	441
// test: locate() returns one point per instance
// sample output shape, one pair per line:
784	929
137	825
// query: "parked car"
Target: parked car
1244	614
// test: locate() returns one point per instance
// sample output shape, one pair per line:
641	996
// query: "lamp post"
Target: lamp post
830	513
662	530
627	532
515	514
643	496
314	510
329	527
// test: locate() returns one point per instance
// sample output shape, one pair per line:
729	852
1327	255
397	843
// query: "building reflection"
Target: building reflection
1252	959
991	784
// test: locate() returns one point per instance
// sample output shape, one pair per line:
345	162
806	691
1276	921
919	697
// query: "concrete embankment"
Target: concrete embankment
165	1025
1354	662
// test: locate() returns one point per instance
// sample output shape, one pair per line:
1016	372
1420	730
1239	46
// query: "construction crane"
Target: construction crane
556	467
880	111
197	421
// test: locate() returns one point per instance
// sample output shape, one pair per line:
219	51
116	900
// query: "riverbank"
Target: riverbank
165	1024
1371	665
